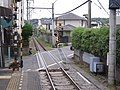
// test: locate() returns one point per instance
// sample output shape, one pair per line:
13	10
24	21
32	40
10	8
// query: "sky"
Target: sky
62	6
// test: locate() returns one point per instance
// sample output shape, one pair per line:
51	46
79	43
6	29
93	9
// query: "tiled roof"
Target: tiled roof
46	21
68	27
70	16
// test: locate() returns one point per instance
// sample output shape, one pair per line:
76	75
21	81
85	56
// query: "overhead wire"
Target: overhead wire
76	7
102	7
97	5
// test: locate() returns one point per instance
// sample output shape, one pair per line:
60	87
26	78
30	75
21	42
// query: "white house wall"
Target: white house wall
5	3
1	2
76	23
118	20
84	23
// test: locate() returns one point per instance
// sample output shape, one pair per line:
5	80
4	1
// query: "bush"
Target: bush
26	33
95	41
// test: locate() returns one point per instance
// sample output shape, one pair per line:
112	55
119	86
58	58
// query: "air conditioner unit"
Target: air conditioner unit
92	60
98	67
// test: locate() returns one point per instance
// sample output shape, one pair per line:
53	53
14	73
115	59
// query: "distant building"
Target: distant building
34	22
11	17
65	31
46	23
64	24
65	19
96	24
71	19
5	24
6	3
117	20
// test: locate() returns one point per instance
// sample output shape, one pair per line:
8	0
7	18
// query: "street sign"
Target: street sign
114	4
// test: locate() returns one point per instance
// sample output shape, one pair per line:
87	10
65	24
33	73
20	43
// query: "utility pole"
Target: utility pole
113	5
53	37
89	14
53	41
112	48
2	48
27	10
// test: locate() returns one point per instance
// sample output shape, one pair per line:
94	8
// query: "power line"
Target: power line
102	7
77	7
97	5
49	11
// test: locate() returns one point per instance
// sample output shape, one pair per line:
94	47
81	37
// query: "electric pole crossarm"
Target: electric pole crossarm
38	8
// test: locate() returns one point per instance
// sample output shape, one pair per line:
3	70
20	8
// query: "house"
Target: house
66	23
63	20
5	22
71	19
46	23
96	24
6	3
117	20
65	32
10	14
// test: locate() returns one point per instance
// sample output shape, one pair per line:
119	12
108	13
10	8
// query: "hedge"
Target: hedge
94	41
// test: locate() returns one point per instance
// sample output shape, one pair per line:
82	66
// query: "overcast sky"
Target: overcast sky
62	6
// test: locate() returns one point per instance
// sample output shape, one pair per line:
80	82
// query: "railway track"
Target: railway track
55	79
60	77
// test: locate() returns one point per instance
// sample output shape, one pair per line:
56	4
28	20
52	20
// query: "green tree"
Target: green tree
26	33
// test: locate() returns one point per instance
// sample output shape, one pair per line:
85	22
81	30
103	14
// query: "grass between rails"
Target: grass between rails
47	45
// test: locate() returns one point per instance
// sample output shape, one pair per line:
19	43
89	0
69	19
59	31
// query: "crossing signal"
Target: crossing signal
114	4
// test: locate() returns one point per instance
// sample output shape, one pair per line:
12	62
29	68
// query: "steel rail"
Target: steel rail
62	69
48	74
46	69
69	77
